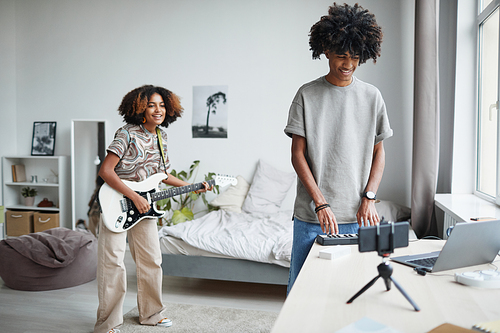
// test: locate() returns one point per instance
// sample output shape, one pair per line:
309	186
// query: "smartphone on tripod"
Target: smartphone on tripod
383	238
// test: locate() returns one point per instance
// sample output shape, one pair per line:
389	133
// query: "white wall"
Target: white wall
76	60
7	80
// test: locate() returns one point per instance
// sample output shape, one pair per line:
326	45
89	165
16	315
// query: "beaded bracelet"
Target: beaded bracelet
320	207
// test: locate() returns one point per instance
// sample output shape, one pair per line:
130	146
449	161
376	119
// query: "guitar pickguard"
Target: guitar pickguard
132	216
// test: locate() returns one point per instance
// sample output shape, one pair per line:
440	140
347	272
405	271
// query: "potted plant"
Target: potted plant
29	195
184	204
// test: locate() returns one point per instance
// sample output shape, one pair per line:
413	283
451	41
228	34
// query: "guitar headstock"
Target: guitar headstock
224	180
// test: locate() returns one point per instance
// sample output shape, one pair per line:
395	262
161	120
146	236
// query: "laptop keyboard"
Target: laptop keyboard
425	262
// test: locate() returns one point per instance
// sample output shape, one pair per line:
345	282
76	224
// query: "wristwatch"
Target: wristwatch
369	195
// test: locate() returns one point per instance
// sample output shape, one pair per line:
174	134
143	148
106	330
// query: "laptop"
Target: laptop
469	244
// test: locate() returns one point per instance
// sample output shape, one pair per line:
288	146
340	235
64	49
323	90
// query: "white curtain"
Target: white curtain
426	116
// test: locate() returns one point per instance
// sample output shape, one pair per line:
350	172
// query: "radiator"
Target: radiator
449	221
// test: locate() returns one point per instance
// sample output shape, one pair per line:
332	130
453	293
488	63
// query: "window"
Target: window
485	4
488	173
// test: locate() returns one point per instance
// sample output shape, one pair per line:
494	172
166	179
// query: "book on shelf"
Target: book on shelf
18	173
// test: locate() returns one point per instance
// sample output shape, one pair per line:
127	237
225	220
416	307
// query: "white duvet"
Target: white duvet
258	237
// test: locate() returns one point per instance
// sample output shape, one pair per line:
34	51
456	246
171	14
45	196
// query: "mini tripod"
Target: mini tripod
385	270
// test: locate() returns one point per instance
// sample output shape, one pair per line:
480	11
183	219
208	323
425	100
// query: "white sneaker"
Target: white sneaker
165	322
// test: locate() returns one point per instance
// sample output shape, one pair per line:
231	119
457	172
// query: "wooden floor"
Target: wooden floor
74	309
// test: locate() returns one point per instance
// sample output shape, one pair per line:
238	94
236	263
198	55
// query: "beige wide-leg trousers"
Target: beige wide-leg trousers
112	278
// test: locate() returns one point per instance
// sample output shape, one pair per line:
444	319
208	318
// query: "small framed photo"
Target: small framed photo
44	138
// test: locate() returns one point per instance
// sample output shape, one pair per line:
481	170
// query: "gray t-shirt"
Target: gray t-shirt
341	126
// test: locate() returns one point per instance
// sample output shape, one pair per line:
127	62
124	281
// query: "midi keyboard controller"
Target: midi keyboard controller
339	239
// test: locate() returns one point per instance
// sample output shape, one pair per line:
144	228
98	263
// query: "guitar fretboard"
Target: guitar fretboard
179	190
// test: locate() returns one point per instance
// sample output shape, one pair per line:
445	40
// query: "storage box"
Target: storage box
18	222
44	221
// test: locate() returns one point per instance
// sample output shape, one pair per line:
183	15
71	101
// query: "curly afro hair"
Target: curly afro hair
135	102
347	29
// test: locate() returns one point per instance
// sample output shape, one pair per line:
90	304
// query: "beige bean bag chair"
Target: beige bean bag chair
52	259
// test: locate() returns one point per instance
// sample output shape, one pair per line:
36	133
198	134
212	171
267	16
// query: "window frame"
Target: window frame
482	16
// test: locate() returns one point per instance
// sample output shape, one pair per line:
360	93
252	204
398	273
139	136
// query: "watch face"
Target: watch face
370	195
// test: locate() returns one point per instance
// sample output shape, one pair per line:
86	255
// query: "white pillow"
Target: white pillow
268	190
232	199
391	211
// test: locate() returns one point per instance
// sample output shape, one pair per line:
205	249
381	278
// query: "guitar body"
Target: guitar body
119	213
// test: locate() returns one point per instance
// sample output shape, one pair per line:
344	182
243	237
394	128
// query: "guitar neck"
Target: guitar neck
172	192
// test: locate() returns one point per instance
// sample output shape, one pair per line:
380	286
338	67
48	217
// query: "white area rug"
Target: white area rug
197	318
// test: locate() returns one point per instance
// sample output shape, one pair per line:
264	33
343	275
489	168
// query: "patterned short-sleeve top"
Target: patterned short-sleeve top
139	153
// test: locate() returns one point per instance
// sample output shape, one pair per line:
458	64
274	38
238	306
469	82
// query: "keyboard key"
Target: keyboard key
424	262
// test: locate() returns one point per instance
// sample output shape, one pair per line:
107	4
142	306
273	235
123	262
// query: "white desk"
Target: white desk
317	301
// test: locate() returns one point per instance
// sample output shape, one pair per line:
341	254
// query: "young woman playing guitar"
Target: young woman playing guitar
134	155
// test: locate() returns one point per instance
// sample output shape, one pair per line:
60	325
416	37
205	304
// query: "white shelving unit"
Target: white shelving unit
55	189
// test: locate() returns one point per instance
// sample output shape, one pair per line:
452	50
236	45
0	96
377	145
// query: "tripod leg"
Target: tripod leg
365	288
385	271
387	283
415	306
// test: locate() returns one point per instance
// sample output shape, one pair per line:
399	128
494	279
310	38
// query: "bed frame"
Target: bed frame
224	269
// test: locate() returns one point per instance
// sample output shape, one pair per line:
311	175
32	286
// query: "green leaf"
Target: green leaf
183	175
204	199
193	167
164	203
28	192
183	215
193	196
210	176
187	212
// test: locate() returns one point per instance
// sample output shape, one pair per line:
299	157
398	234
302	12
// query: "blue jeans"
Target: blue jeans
304	235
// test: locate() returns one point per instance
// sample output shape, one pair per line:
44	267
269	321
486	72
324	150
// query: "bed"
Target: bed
249	239
225	245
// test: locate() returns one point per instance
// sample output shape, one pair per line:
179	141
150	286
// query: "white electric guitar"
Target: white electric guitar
119	212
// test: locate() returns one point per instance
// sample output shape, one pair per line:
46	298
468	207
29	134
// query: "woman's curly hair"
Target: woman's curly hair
347	29
135	102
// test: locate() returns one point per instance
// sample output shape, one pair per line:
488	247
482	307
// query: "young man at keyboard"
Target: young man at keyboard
337	124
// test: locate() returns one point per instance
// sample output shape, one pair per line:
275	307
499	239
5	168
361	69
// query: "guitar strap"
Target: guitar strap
160	145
